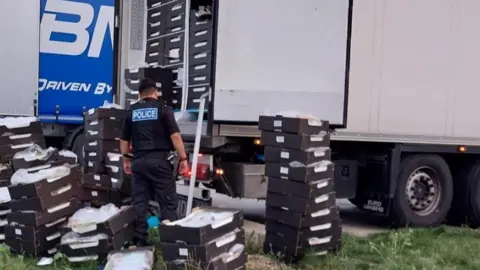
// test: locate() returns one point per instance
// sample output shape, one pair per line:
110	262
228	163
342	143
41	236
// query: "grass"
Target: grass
438	248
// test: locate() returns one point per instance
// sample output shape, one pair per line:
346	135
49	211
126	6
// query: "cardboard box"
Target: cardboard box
98	247
8	151
103	146
206	252
46	247
46	201
299	220
286	156
301	205
174	232
100	182
44	188
44	217
105	113
292	125
22	139
295	141
292	253
299	237
318	171
111	226
31	233
100	197
308	191
32	128
53	160
238	263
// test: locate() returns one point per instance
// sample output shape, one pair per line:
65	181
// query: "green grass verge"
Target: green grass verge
439	248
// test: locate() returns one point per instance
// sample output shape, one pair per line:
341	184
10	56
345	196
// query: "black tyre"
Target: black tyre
78	148
466	203
424	191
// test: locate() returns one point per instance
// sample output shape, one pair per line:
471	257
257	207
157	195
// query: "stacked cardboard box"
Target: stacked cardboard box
6	173
301	214
16	134
165	48
92	233
104	180
163	77
208	238
42	198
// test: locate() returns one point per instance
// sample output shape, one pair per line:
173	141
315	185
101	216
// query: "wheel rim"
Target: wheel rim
423	191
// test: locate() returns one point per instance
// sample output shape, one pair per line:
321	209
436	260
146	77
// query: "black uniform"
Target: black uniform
148	126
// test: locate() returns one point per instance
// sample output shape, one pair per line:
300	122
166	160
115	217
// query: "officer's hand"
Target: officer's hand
183	168
127	166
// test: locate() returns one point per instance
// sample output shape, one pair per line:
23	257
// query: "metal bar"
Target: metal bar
196	150
186	46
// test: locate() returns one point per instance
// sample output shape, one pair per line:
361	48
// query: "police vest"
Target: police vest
148	129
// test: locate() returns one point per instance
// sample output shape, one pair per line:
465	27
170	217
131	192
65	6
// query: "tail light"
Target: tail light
205	174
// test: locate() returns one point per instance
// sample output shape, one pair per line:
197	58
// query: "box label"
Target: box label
183	252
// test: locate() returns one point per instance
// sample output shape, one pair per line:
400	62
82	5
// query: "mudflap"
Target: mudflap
375	189
377	204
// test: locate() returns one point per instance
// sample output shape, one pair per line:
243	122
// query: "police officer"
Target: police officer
152	130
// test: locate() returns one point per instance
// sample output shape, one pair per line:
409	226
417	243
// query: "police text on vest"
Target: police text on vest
145	114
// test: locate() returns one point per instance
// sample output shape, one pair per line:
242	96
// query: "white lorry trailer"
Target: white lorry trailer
396	79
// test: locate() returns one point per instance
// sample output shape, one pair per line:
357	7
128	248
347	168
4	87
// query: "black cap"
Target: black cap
146	84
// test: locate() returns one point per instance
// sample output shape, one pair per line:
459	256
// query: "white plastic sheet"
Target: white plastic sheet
106	105
88	216
201	218
16	122
74	238
34	152
135	260
23	176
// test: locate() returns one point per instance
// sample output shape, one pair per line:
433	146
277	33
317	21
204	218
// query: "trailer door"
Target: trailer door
278	55
19	32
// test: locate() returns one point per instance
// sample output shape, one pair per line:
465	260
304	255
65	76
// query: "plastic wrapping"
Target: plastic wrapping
114	156
22	176
17	122
106	105
321	166
200	218
185	117
74	238
233	253
89	216
68	154
35	152
135	260
297	114
4	167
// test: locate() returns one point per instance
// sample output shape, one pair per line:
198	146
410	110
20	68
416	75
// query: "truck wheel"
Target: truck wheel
79	148
466	202
424	191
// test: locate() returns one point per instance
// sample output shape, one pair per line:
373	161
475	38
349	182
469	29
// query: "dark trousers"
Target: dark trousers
152	179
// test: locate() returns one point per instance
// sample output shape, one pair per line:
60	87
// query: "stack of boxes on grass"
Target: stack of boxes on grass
92	233
104	180
301	215
208	238
40	194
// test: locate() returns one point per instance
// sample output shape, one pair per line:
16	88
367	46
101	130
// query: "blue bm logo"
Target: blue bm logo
145	114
